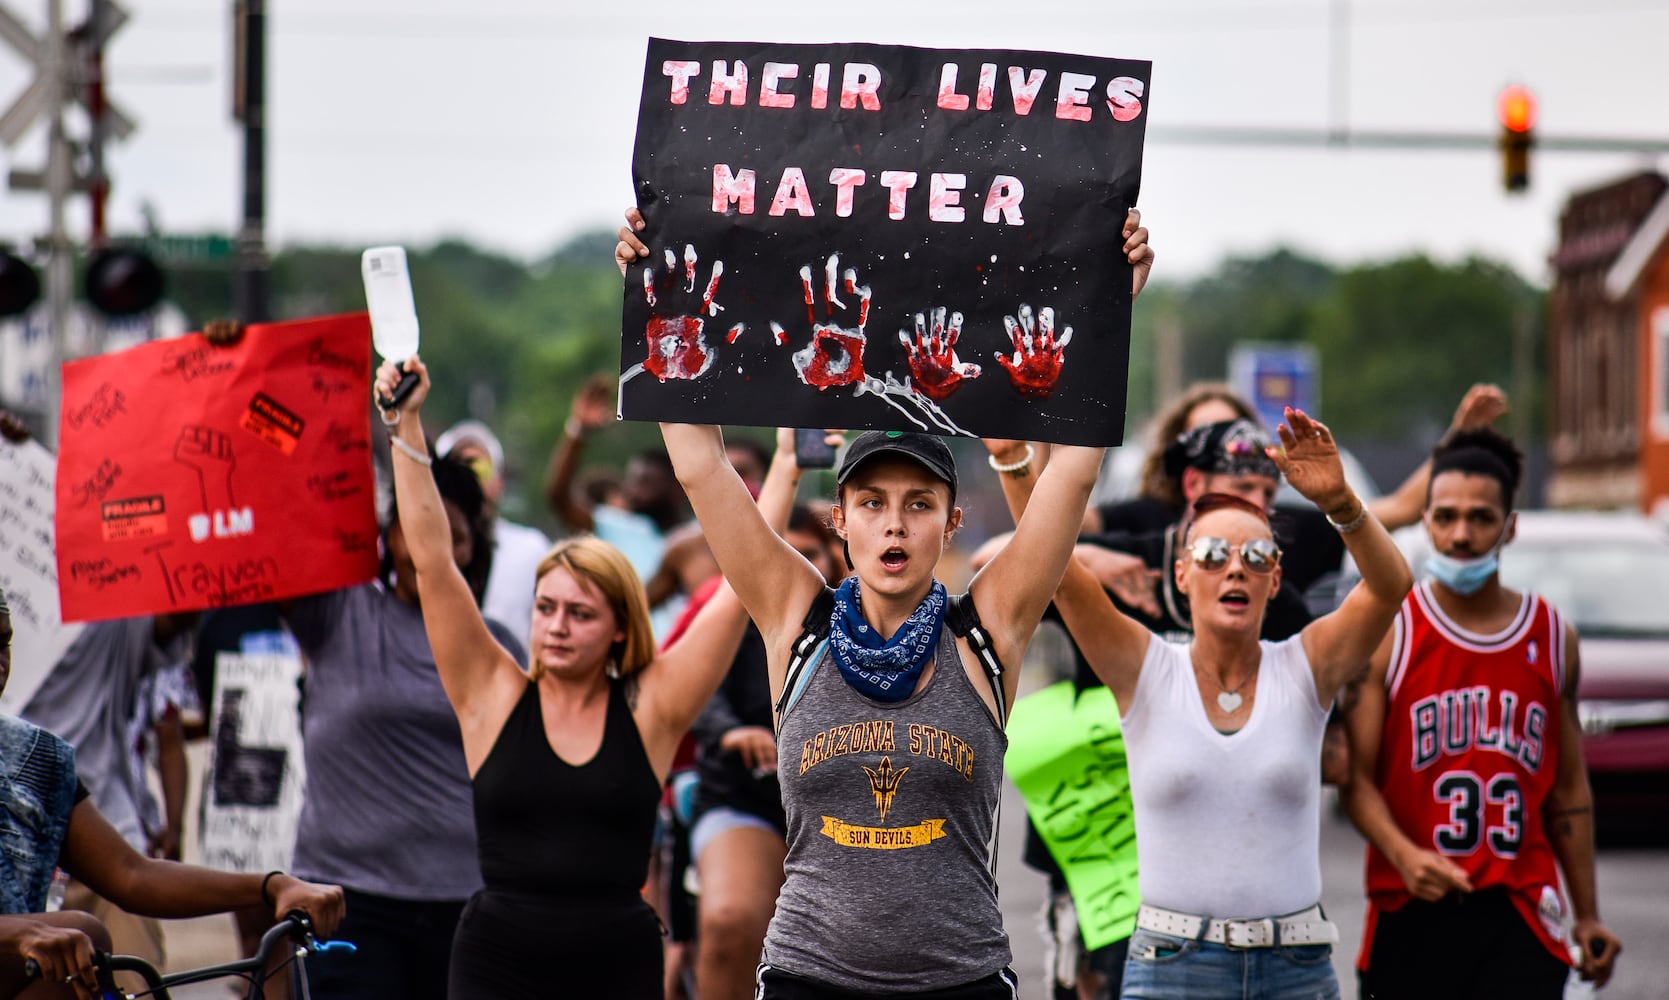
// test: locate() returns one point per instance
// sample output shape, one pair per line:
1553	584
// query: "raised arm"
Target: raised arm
589	411
1480	407
1112	643
1339	645
1569	820
1427	874
481	679
683	678
774	582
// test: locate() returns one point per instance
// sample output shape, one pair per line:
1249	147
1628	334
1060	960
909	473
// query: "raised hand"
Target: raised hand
931	353
1137	252
594	403
1480	407
1309	459
1035	366
388	376
677	348
835	355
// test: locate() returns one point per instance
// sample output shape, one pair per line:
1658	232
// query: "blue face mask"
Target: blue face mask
1463	576
1467	576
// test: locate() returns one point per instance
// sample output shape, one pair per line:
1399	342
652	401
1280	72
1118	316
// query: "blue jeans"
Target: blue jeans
1162	967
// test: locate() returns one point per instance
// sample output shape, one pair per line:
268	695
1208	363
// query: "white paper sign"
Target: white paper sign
252	798
29	569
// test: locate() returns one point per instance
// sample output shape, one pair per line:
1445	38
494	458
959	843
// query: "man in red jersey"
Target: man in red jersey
1466	766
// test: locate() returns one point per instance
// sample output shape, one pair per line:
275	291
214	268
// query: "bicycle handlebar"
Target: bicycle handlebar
296	926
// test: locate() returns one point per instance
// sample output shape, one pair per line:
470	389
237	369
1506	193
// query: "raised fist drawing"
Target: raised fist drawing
209	452
835	355
1035	365
931	352
677	346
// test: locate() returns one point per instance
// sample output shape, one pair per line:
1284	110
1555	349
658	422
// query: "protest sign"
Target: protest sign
253	796
1066	755
28	570
880	236
193	476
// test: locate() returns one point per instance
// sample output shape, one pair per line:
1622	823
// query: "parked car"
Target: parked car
1609	574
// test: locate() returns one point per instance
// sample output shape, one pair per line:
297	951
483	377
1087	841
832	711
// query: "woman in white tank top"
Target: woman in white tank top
1223	735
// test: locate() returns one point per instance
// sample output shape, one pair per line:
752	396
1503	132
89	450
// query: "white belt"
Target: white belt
1307	927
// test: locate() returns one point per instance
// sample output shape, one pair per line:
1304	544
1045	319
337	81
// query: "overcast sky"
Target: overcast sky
510	122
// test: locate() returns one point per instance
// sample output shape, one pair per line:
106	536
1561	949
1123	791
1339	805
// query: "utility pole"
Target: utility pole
249	106
60	176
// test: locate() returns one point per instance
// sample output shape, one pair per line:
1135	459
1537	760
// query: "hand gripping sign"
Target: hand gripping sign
192	476
949	223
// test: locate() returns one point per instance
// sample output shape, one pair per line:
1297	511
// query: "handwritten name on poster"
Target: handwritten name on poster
194	476
1066	756
29	570
875	236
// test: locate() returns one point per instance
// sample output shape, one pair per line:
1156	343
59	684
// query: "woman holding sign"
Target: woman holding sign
566	759
1223	735
889	704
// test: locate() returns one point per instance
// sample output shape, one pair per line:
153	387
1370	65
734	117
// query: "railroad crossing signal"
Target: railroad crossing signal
31	104
1516	109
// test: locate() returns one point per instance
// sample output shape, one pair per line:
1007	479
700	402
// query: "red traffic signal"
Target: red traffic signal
1516	107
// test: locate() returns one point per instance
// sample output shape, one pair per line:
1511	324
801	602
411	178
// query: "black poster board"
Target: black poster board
881	236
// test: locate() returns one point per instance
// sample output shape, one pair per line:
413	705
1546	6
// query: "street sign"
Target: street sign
175	249
1273	377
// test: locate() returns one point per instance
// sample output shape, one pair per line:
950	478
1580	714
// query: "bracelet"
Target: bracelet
410	452
266	896
1354	524
1017	467
574	429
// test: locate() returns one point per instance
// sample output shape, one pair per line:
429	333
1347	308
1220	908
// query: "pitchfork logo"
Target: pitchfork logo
883	781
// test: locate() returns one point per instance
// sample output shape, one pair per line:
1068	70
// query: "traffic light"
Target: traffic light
121	282
20	286
1516	108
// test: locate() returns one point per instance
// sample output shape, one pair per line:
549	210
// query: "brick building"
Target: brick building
1609	348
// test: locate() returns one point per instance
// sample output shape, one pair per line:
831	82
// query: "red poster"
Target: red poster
192	476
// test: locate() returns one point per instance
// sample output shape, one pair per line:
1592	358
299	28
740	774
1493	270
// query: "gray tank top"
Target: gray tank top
891	834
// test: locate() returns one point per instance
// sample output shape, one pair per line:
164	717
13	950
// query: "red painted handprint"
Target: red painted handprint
677	348
835	355
1035	366
931	353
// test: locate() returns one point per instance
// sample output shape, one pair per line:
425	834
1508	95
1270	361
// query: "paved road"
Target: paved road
1634	896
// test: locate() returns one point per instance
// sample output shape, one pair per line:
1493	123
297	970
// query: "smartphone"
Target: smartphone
388	298
812	450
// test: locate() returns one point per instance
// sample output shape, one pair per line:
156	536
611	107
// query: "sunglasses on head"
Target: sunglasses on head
1210	553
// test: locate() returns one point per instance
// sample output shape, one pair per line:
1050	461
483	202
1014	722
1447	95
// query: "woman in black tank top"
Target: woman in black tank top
896	512
567	759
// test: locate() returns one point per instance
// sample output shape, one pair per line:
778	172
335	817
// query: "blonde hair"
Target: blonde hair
1171	425
605	567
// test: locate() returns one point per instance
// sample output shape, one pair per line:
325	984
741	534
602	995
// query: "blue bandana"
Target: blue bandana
884	669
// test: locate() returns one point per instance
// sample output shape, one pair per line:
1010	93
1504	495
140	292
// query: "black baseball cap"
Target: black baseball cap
927	450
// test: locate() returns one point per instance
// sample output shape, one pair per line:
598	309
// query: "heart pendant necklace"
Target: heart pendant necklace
1227	700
